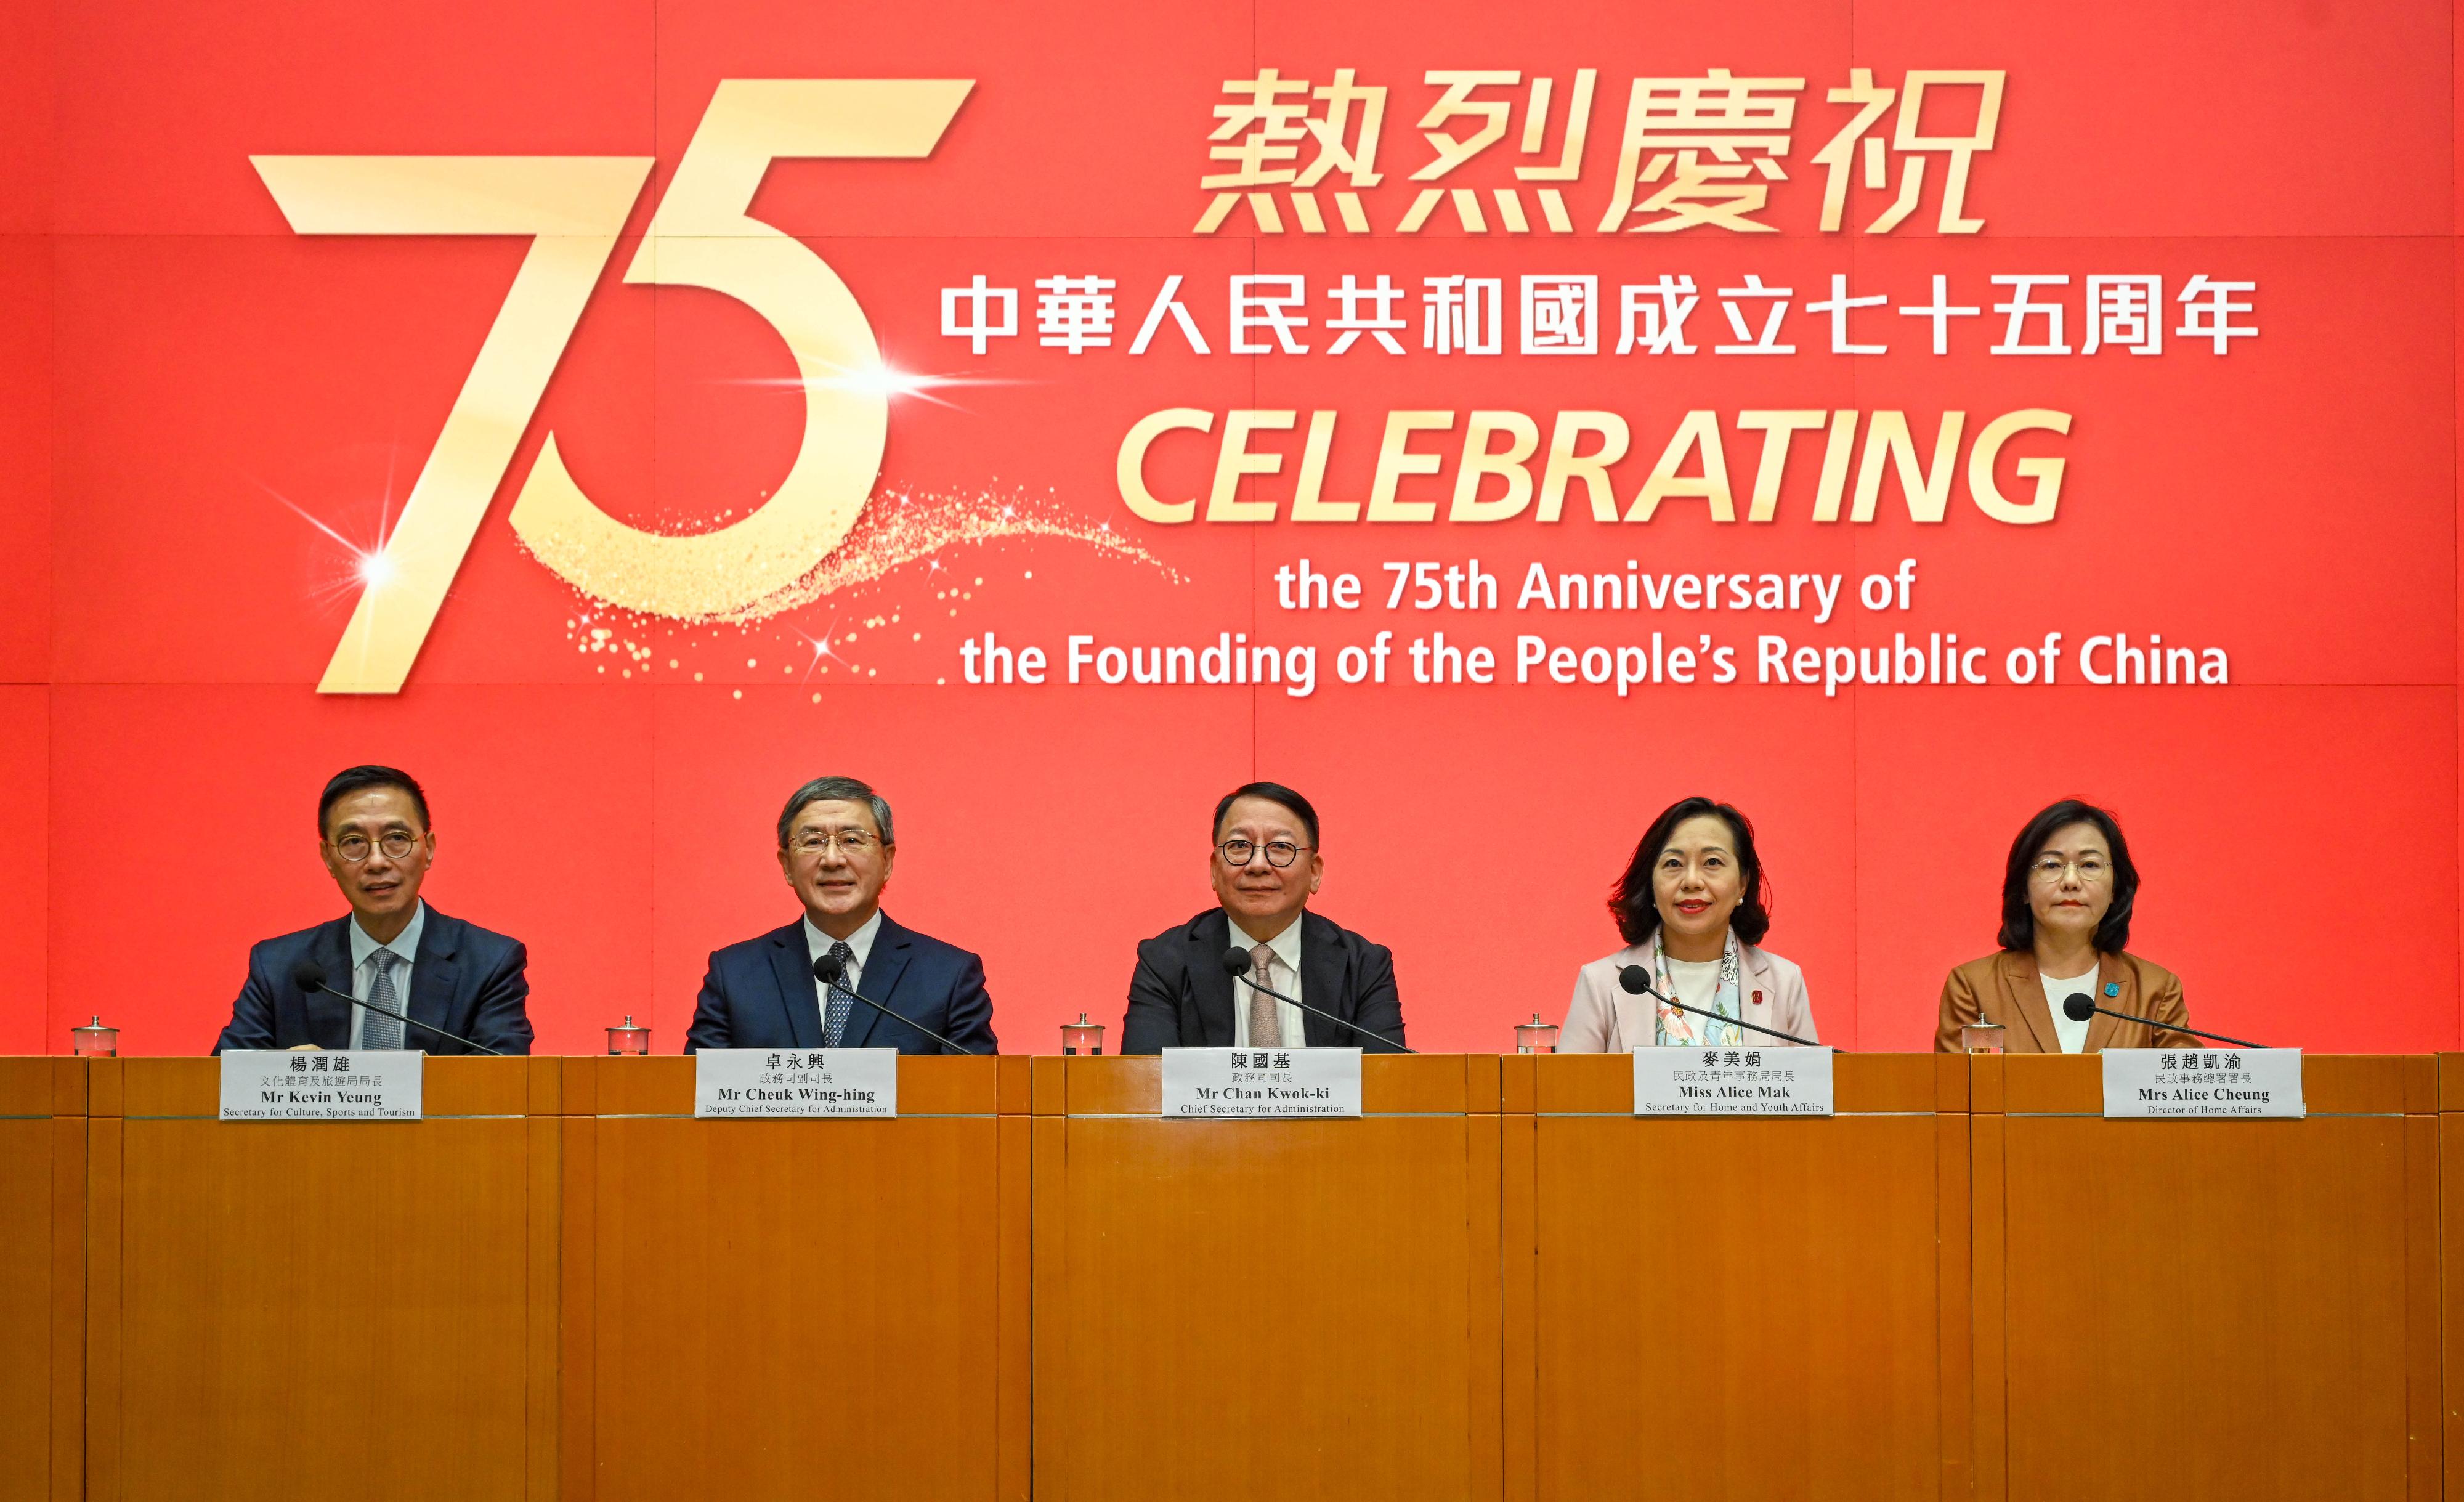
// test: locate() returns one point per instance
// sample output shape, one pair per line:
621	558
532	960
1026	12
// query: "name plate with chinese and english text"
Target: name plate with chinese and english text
2203	1082
796	1082
283	1085
1732	1082
1223	1083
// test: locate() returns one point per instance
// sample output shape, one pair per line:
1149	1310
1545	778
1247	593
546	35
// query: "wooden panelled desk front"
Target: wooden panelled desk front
2227	1310
1266	1309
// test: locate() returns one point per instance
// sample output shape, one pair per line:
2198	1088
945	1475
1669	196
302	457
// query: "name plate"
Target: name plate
1732	1082
2203	1082
282	1085
796	1082
1218	1083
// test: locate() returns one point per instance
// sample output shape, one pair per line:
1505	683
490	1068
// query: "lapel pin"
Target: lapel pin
2113	988
1758	998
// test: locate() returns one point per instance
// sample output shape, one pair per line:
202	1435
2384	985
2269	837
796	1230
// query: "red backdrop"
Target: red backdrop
191	394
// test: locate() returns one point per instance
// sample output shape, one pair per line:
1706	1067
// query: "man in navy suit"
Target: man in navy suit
394	952
836	847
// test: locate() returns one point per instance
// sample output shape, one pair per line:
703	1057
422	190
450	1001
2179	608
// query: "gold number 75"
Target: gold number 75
573	208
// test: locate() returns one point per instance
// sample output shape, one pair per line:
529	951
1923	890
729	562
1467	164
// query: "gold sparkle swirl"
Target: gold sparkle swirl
898	527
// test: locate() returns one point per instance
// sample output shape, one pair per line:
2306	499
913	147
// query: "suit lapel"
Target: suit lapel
2023	995
326	1022
433	971
2100	1031
878	979
1210	984
1638	1019
1322	977
800	995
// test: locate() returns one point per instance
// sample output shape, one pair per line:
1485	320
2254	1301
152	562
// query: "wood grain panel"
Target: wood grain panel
1736	1309
297	1309
26	1298
1268	1307
2257	1283
777	1302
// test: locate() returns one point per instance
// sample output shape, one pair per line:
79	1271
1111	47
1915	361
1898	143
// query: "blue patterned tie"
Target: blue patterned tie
834	1022
380	1031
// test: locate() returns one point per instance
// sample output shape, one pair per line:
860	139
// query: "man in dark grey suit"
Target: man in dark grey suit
394	951
1265	866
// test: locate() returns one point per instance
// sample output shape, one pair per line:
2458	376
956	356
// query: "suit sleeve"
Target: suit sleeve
709	1027
1587	1022
1379	1009
252	1021
2167	1007
1153	1022
502	1018
1959	1008
971	1011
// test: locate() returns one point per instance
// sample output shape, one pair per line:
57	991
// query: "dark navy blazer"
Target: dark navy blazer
464	980
762	994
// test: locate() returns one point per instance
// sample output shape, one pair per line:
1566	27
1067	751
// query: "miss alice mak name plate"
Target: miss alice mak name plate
1732	1082
1223	1083
796	1082
282	1085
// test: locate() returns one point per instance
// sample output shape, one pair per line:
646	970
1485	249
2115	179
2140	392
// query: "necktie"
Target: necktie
379	1030
834	1022
1266	1024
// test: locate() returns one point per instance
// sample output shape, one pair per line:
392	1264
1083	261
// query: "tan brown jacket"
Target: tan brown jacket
2003	988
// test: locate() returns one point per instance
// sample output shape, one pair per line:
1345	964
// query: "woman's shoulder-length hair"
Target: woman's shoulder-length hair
2019	919
1630	901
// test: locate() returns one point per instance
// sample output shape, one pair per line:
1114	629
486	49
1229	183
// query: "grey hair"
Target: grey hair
836	789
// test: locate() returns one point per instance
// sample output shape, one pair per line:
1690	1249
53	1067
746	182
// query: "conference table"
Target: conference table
1497	1284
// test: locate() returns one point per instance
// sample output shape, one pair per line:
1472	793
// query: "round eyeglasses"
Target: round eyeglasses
1279	853
395	843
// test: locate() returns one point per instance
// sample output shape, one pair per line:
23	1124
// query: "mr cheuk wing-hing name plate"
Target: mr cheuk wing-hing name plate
1732	1082
1223	1083
796	1082
280	1085
2203	1082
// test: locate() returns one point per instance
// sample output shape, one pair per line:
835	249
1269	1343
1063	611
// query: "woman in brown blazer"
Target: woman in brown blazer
2066	901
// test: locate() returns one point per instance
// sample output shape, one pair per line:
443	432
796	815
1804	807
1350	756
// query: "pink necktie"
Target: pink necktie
1266	1028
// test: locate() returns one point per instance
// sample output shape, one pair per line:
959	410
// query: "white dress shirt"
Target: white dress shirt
1286	948
818	943
364	974
2073	1035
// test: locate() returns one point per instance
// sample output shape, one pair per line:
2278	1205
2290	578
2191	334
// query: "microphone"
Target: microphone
1637	981
1239	961
310	976
2079	1006
827	969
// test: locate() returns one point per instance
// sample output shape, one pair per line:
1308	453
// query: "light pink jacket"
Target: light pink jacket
1603	1018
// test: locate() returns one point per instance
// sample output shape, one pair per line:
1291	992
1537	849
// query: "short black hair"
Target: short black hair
1630	901
1273	793
359	779
836	789
2019	917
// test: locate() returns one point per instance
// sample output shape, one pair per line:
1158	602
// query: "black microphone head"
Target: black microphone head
1636	980
827	969
2077	1008
1236	960
308	975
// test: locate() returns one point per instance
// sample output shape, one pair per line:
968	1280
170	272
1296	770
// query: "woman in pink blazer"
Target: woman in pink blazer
1690	908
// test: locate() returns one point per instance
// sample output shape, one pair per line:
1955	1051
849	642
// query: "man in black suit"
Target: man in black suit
836	847
394	951
1265	866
